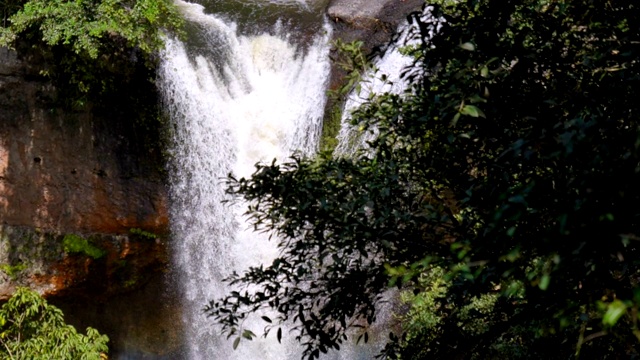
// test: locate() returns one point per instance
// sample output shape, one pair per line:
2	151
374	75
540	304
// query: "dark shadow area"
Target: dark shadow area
142	324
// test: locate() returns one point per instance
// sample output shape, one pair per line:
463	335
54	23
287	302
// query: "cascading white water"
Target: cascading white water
233	100
385	77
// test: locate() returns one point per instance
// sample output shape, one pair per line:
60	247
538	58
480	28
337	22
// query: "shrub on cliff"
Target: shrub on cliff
30	328
509	170
89	45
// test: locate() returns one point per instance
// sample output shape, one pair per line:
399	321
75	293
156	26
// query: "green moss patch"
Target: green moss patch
74	244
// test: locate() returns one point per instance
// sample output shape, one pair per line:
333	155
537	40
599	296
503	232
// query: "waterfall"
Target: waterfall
233	99
385	77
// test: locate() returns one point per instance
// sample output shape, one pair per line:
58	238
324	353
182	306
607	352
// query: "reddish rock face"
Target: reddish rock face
71	172
91	173
64	171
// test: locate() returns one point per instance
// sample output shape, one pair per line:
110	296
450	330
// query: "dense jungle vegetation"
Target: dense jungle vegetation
500	196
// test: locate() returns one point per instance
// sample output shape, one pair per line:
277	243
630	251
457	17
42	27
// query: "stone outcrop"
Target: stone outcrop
83	211
86	172
45	262
371	21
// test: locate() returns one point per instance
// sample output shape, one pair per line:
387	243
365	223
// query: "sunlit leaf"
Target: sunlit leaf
615	310
472	111
468	46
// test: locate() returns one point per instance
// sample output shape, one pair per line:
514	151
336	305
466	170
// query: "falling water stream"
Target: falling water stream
247	86
236	95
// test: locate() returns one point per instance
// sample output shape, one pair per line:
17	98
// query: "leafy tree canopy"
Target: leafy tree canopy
500	194
32	329
88	44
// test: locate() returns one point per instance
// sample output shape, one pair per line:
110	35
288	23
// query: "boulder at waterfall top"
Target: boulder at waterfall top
370	15
371	21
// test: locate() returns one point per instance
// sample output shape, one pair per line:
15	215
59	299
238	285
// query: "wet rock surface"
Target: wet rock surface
86	175
372	22
70	171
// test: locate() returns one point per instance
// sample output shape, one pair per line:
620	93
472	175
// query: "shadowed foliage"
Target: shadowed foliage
502	190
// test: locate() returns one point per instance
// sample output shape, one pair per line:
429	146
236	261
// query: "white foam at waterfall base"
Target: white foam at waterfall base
258	99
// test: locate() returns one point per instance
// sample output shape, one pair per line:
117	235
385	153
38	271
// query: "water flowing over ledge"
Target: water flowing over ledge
233	100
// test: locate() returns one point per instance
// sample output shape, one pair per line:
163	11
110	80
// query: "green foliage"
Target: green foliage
13	270
89	43
74	244
351	60
30	328
425	306
144	234
511	164
83	25
331	127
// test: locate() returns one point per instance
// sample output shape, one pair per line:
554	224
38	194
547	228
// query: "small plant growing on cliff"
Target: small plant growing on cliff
351	59
354	62
143	234
30	328
13	270
74	244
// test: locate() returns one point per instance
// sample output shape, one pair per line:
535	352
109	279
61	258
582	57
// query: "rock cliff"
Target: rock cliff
62	171
89	172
